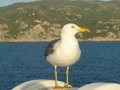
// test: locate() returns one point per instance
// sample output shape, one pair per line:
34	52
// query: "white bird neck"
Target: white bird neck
69	40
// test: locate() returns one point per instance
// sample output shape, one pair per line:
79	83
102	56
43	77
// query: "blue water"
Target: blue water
20	62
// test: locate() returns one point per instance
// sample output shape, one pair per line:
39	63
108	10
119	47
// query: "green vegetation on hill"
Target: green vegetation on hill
43	20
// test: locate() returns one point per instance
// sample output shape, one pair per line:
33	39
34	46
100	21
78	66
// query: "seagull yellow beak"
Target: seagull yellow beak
84	30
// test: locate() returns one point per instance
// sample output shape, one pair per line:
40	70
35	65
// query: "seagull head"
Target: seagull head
72	29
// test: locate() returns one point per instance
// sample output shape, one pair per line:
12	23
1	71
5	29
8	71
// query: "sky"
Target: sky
9	2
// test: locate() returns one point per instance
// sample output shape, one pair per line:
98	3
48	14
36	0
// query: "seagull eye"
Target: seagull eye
72	27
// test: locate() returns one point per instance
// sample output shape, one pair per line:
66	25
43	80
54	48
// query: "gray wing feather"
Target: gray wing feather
49	50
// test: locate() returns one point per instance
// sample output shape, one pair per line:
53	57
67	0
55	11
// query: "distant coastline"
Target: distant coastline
42	20
48	40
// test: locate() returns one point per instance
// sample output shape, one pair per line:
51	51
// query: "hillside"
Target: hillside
42	20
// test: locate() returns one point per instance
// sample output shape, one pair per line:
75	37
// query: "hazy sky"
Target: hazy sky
8	2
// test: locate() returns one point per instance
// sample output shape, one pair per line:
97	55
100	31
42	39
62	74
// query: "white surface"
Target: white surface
101	86
37	85
49	84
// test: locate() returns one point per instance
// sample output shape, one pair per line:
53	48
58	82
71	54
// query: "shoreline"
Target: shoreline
53	39
97	39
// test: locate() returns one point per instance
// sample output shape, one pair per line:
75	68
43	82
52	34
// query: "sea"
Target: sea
21	62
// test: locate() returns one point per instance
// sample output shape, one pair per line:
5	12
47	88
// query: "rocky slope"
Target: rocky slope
42	20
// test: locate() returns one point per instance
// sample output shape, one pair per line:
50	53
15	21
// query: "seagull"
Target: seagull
65	51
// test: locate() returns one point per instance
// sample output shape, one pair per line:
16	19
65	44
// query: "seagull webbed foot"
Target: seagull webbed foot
67	86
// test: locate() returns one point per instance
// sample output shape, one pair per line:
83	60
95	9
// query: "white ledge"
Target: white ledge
49	85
